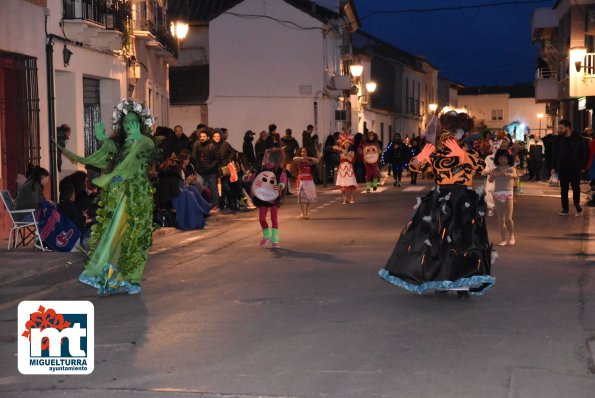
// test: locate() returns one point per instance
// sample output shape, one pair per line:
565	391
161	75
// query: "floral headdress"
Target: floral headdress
129	105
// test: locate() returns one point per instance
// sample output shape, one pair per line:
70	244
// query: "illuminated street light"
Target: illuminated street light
371	87
433	107
356	70
179	30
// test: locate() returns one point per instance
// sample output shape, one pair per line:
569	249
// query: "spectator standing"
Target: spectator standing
548	143
308	141
63	136
248	149
176	142
225	154
196	134
289	145
569	159
331	157
260	146
206	163
535	155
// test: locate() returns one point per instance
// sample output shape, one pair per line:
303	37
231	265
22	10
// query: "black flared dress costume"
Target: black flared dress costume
445	246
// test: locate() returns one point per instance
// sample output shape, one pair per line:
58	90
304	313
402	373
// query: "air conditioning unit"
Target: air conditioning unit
342	82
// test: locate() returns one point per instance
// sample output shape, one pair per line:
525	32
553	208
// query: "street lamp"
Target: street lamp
356	70
179	30
371	87
540	116
433	107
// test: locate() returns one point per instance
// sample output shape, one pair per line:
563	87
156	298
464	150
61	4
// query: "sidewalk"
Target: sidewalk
28	262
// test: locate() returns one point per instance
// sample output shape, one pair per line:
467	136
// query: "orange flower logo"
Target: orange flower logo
43	319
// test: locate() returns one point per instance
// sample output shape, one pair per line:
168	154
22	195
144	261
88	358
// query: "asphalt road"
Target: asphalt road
221	317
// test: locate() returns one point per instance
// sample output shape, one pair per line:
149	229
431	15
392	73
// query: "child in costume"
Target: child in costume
504	176
304	182
445	246
345	174
489	185
268	192
370	151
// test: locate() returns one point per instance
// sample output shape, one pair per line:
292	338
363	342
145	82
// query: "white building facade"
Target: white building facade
496	107
89	69
255	81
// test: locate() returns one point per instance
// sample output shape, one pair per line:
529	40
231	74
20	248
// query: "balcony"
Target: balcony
546	85
149	24
98	23
545	21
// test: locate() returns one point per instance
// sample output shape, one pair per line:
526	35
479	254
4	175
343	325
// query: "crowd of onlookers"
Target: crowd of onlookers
202	173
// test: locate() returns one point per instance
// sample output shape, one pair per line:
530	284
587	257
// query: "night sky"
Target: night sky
479	46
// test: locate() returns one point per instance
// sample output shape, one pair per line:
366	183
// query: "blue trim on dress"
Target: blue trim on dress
474	281
114	285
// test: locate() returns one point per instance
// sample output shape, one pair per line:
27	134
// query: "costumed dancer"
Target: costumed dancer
305	182
121	237
504	176
399	154
370	151
268	192
445	245
414	151
346	180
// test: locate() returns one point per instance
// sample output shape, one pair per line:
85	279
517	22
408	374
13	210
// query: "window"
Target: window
496	114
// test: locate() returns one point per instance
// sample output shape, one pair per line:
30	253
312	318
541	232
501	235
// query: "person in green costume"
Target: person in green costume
121	237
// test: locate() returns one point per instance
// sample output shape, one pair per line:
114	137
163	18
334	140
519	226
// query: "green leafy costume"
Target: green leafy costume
121	237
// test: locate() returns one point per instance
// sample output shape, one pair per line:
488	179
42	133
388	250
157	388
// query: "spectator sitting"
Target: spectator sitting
176	142
83	201
67	207
30	194
191	208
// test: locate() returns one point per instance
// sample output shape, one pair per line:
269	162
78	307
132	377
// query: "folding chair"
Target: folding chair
24	229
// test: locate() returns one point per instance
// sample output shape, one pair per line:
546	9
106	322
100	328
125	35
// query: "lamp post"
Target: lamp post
540	116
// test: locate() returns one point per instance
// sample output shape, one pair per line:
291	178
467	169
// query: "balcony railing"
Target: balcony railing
109	13
89	10
545	73
589	64
152	19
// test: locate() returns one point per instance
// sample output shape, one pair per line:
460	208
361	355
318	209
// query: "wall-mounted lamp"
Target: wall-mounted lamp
371	87
356	70
179	30
432	107
577	56
66	54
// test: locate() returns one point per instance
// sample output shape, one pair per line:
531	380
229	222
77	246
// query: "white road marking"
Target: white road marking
414	189
379	189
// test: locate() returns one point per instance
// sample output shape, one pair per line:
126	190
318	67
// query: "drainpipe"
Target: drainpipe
49	54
